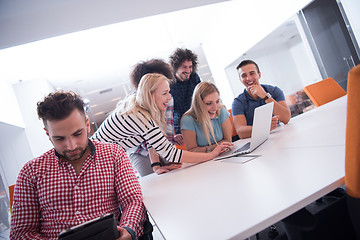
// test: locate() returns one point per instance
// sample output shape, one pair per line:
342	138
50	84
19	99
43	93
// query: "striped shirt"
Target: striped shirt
129	130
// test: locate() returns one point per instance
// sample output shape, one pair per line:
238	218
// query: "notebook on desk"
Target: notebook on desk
260	132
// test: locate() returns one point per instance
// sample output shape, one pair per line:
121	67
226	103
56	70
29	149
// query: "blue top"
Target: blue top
244	104
188	123
182	93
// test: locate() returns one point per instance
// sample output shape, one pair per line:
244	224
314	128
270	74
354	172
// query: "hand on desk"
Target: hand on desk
164	169
222	147
274	122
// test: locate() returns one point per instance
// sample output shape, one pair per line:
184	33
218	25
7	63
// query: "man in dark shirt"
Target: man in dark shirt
184	63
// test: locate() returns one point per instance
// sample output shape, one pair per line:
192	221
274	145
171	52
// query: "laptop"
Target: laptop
260	132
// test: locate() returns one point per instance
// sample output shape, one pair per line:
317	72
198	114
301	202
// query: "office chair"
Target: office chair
182	147
352	150
324	91
234	135
11	194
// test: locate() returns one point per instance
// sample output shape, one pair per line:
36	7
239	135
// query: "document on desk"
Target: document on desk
240	159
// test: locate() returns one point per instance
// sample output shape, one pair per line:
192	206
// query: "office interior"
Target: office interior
295	43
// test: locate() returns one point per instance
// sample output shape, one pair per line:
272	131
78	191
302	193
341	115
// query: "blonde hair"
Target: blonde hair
198	108
144	100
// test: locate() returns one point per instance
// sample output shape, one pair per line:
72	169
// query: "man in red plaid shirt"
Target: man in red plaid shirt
76	181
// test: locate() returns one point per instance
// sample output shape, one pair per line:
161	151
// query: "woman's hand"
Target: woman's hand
164	169
179	139
222	147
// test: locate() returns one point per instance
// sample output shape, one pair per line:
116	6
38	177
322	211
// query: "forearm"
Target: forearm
196	157
18	233
281	110
244	131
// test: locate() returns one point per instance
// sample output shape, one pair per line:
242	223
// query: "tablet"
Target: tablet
103	227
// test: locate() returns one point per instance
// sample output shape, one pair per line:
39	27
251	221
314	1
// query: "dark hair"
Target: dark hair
247	62
59	105
151	66
180	55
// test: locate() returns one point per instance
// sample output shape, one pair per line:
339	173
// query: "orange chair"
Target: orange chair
11	194
324	91
352	152
234	135
182	147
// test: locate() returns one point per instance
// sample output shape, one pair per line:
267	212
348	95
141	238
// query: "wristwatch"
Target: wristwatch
268	95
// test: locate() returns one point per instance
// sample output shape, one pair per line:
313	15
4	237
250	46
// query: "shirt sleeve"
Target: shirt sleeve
238	107
156	139
278	94
224	114
188	123
129	193
25	212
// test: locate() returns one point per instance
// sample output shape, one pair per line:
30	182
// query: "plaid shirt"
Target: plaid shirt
49	197
182	92
170	133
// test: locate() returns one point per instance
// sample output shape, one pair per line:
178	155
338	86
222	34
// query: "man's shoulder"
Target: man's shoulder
240	98
40	163
269	88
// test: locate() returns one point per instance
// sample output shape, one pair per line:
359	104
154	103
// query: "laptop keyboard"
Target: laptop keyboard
243	148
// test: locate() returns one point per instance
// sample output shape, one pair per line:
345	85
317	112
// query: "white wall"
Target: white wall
20	144
28	94
14	152
352	9
249	22
10	111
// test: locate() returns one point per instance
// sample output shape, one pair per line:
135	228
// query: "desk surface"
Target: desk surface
300	162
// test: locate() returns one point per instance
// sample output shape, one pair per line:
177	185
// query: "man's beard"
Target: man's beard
68	157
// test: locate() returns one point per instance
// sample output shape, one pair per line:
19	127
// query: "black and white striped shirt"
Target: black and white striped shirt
129	130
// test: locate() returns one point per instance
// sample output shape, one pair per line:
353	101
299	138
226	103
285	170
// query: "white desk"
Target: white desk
301	162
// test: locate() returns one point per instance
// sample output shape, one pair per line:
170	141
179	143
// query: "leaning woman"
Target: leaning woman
140	118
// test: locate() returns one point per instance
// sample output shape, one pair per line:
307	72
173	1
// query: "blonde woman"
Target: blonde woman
140	118
207	123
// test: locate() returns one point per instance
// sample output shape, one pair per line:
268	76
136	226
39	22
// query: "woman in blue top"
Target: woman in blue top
206	124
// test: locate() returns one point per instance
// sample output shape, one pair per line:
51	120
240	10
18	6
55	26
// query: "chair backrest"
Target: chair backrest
11	194
182	147
232	124
324	91
234	134
352	152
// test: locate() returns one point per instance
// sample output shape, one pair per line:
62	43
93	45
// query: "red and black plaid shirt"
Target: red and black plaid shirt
49	197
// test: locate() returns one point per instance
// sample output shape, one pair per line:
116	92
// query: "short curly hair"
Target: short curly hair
150	66
59	105
180	55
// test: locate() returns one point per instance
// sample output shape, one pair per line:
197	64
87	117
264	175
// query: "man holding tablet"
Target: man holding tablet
76	181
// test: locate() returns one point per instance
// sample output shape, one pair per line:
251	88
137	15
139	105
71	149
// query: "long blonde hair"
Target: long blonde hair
144	100
198	108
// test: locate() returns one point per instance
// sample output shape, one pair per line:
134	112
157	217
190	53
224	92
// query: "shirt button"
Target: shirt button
77	213
76	187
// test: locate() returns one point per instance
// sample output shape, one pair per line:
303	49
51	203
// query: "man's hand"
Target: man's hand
179	139
274	122
257	90
124	235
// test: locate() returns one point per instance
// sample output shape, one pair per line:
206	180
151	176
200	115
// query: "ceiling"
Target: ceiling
96	63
